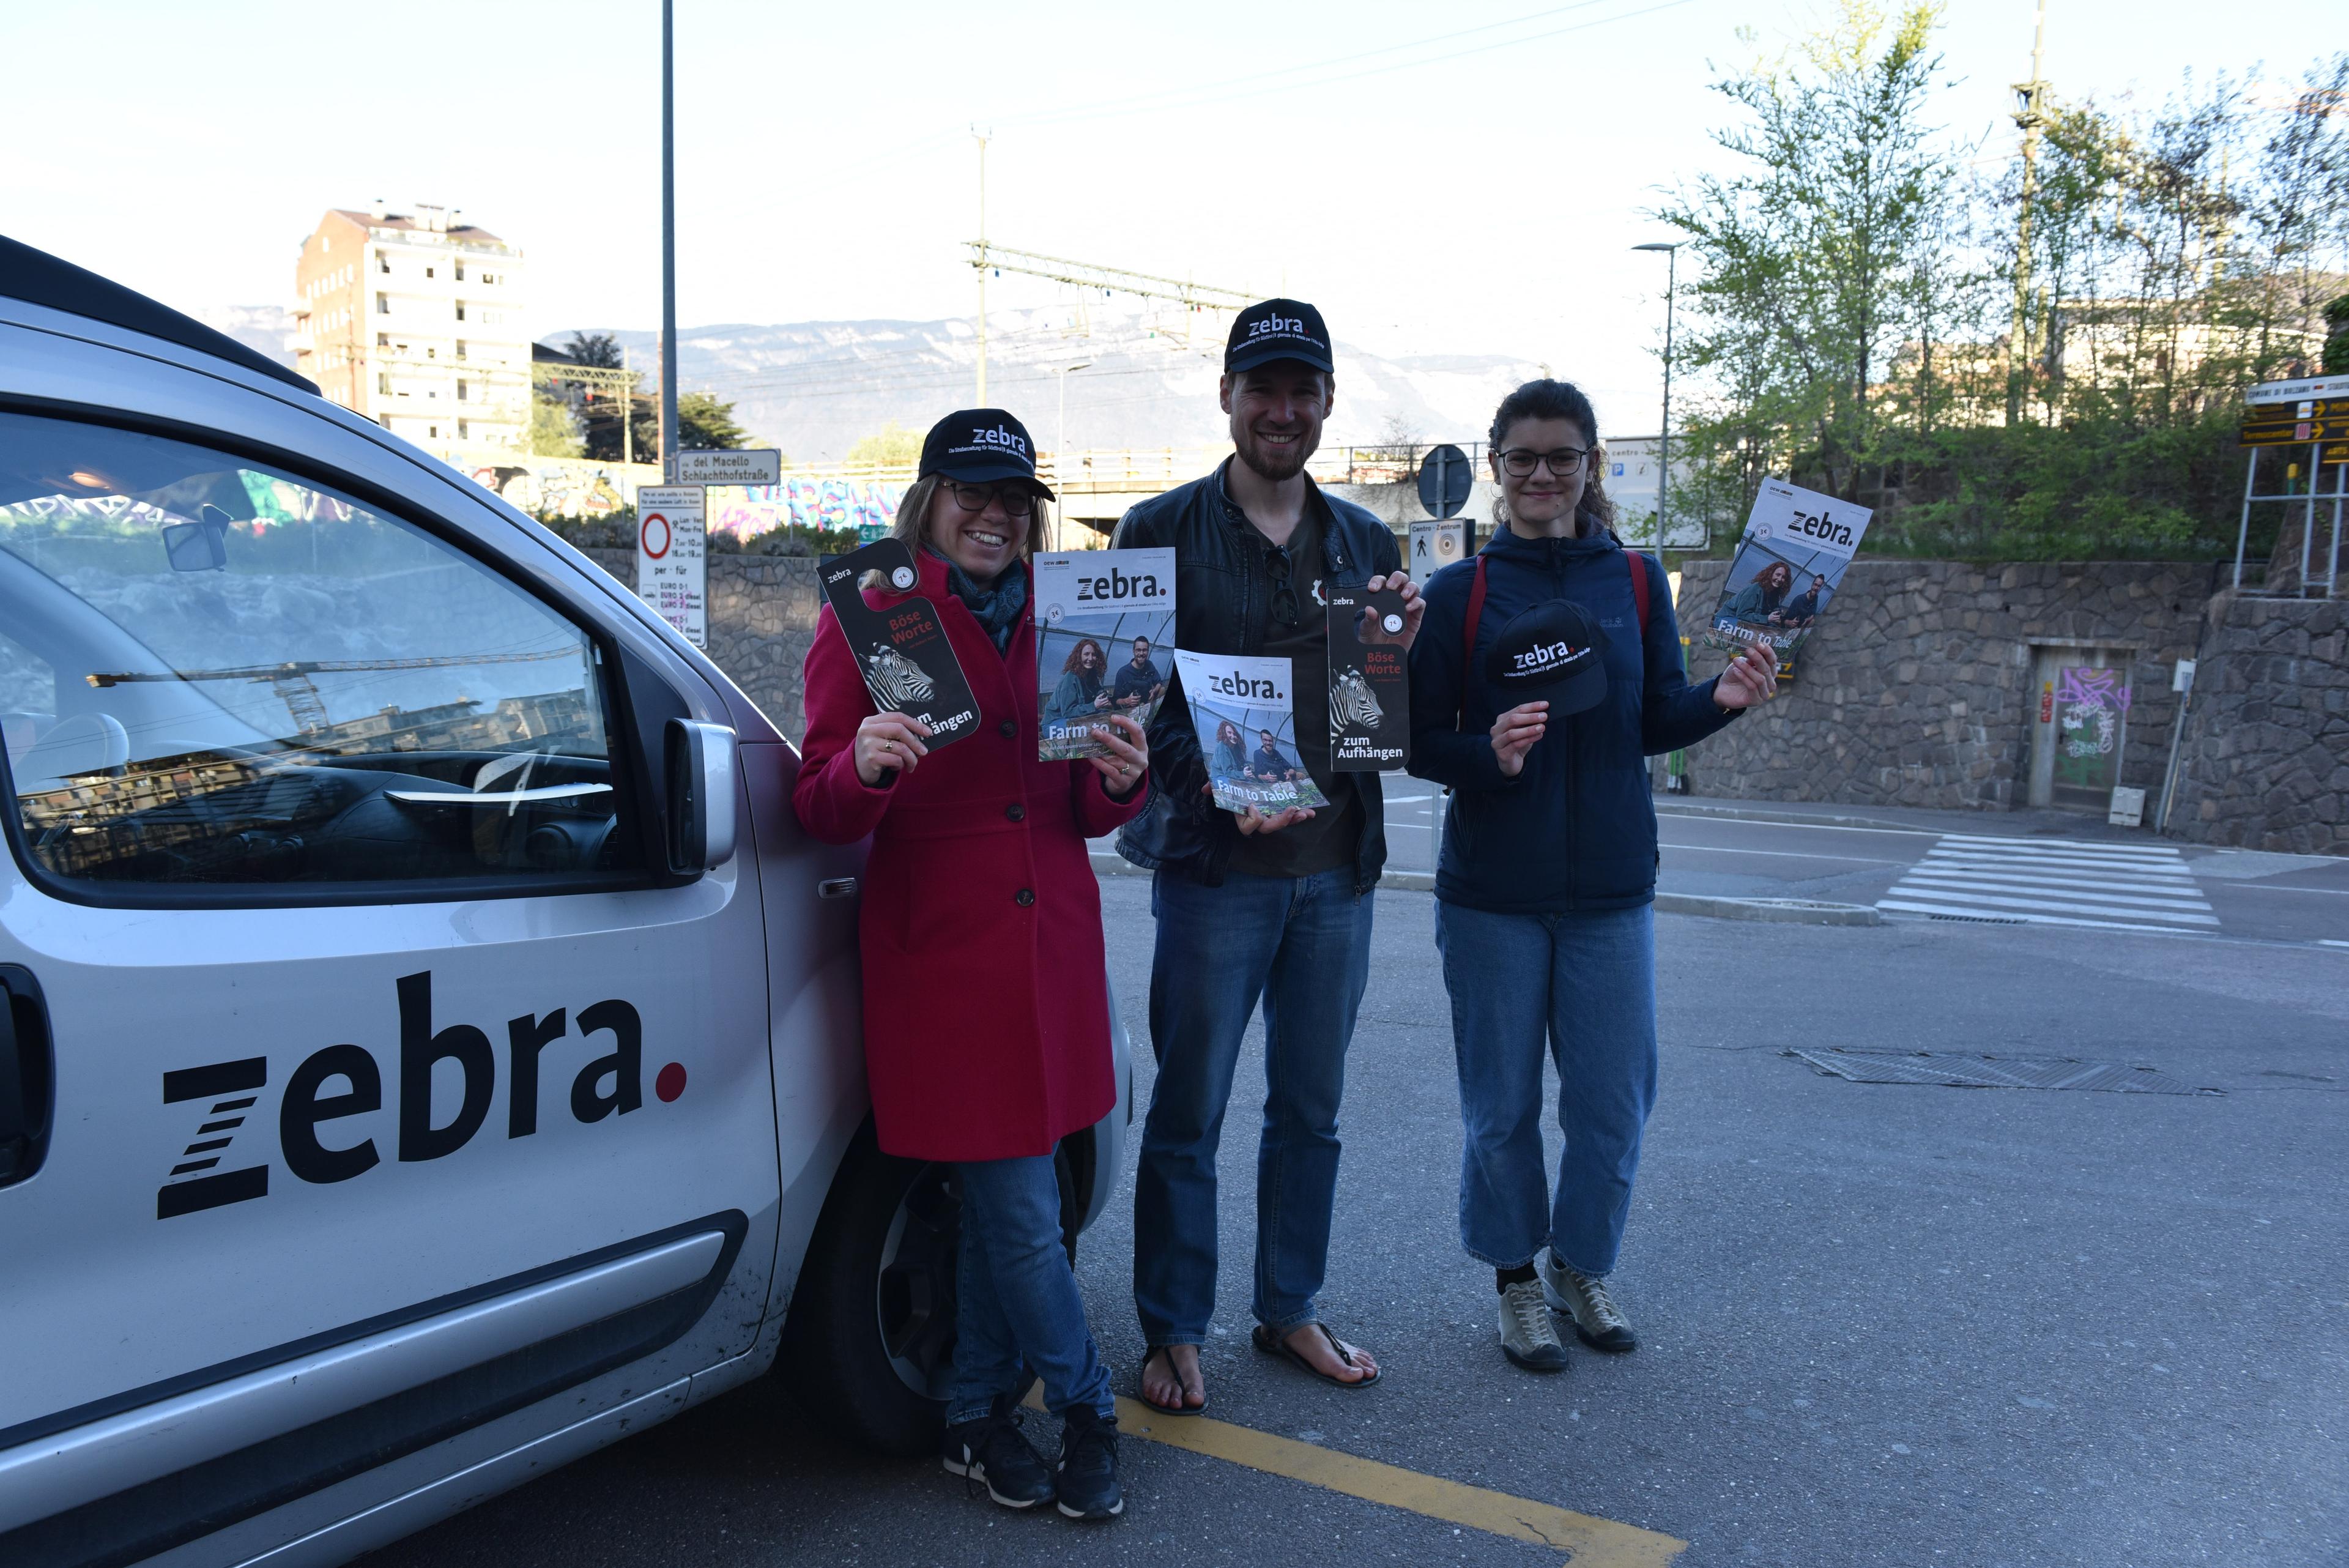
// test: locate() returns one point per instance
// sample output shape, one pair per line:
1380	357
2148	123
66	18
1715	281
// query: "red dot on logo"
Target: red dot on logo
671	1082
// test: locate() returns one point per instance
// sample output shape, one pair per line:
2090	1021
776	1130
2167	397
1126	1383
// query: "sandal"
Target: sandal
1142	1389
1271	1344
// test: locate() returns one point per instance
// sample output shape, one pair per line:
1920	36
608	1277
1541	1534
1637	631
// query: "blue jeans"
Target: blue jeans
1587	983
1303	946
1018	1295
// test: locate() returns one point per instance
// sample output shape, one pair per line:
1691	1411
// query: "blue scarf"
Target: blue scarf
997	606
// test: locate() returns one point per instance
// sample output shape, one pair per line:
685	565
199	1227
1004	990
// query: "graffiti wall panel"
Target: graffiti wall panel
2083	723
805	502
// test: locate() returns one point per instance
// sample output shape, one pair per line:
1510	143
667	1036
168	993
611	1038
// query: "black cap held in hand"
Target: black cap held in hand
1278	329
1550	653
975	445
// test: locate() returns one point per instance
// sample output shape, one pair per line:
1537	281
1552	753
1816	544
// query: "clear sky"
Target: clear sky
1462	178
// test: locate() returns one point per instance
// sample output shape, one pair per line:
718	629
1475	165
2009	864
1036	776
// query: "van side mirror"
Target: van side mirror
701	802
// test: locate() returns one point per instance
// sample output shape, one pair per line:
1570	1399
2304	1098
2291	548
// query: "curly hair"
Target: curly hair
1101	659
1561	400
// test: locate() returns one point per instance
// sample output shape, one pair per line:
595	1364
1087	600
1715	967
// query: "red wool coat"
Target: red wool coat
986	1000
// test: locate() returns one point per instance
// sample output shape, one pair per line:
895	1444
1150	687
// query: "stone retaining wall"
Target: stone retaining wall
2266	752
1915	690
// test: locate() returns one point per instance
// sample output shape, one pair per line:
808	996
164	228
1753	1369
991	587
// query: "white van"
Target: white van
429	1047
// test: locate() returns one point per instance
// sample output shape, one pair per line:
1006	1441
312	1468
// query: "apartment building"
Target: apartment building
414	320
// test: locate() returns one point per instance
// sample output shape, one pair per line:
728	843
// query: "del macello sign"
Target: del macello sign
756	466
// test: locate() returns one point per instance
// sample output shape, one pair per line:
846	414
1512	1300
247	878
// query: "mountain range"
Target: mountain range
815	388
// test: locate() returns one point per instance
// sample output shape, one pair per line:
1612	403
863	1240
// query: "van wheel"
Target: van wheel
869	1345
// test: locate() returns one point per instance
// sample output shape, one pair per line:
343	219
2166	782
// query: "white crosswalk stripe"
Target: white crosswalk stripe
2130	886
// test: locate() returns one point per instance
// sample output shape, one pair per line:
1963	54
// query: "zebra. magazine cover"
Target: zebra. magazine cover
1789	564
909	666
1369	709
1246	714
1104	644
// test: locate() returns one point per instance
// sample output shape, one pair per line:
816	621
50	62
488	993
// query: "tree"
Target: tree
554	430
1810	250
600	349
893	447
704	424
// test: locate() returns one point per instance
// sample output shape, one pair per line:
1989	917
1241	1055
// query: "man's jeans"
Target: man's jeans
1018	1294
1303	945
1587	983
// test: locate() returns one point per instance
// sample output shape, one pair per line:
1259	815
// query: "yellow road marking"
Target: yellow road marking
1594	1542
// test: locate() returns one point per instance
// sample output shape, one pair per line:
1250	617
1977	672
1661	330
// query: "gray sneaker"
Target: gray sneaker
1527	1335
1599	1322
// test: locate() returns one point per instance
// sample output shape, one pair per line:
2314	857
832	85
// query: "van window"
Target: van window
216	675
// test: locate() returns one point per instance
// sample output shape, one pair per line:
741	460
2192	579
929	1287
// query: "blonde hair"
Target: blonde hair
912	525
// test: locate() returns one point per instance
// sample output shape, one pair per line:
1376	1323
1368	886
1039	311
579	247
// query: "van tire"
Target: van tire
833	1356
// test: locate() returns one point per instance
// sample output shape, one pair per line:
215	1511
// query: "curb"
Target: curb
1781	911
1666	807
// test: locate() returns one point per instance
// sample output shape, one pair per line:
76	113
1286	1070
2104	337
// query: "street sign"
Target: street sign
867	533
2297	423
1444	479
2294	392
1433	546
763	466
672	563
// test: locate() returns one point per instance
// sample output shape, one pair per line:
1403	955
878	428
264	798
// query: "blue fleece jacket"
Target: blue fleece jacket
1576	829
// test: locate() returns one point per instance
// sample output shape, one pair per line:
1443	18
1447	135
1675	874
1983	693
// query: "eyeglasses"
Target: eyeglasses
1520	460
1016	499
1284	592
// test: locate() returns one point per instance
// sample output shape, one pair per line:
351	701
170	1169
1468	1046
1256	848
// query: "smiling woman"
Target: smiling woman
987	1028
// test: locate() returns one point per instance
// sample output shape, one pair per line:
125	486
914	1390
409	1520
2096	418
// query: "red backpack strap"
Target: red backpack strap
1639	564
1476	614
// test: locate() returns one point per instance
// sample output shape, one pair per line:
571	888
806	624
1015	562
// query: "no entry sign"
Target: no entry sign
672	563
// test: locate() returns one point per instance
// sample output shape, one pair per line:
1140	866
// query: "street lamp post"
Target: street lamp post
1664	441
1059	445
669	246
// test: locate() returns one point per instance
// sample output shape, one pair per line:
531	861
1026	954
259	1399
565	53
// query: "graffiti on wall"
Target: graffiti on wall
2089	706
803	501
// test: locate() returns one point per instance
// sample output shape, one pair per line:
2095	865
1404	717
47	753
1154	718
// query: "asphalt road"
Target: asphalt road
1882	1323
1859	858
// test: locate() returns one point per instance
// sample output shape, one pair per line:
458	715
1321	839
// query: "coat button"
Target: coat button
1023	898
1007	729
1016	813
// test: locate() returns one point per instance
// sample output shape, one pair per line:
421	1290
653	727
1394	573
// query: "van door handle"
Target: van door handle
836	887
26	1074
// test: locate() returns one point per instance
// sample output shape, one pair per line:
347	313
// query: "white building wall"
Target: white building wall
449	345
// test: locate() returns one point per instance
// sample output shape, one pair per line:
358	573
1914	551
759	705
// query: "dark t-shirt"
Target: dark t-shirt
1332	837
1135	683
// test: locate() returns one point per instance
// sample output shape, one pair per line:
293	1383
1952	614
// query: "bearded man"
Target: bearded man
1254	908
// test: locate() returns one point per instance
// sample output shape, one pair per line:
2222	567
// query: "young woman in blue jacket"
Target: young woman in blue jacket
1544	893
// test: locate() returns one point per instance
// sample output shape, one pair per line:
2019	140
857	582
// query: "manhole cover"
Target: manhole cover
1954	1070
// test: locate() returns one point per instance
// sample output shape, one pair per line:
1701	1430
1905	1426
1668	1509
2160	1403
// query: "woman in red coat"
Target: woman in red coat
986	998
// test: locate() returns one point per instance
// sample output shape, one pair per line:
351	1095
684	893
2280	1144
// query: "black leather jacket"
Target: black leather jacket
1223	604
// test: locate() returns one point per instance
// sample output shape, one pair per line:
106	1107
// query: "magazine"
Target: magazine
909	666
1789	564
1245	716
1370	709
1104	644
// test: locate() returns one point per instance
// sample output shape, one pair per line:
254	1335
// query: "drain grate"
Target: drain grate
1952	1070
1982	920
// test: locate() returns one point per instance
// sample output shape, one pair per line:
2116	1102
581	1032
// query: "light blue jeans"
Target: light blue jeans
1018	1295
1302	945
1586	984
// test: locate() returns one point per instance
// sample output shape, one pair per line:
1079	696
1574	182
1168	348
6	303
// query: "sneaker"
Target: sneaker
1087	1477
994	1453
1599	1322
1527	1335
